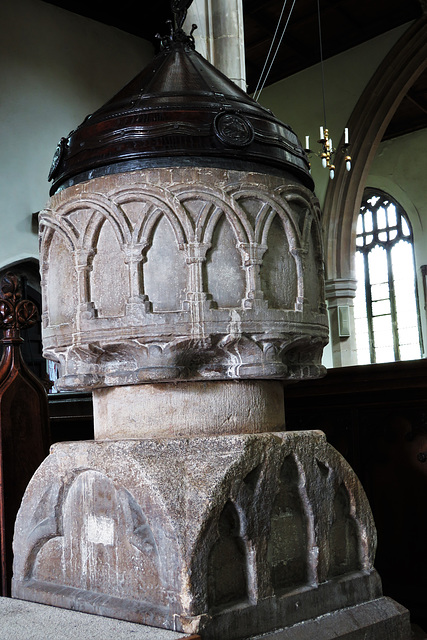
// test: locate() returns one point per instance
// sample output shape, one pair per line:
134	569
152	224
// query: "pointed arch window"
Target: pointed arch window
386	304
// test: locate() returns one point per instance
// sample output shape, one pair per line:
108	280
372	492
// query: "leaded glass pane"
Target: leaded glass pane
383	331
373	200
378	266
367	219
381	308
405	228
381	218
384	354
405	295
360	318
410	351
380	291
383	338
391	215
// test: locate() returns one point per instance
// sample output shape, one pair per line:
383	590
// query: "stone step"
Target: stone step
380	619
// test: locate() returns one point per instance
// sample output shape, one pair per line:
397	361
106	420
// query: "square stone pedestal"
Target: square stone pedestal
224	536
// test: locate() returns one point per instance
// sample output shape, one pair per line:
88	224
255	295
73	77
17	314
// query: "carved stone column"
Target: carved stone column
340	295
219	36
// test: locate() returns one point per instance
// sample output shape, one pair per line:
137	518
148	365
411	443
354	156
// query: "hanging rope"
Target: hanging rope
257	92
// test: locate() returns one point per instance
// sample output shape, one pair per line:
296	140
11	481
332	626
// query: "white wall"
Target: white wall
55	68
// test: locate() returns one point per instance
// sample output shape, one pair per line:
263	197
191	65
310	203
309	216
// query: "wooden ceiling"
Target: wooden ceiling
344	24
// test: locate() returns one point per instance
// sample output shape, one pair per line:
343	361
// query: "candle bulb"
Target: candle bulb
307	142
322	137
345	136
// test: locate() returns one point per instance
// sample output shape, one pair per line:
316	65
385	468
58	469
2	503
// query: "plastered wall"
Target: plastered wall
55	68
298	101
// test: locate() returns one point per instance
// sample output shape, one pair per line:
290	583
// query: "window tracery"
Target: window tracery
386	303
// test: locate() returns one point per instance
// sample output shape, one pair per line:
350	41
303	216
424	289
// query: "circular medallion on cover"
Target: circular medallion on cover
233	129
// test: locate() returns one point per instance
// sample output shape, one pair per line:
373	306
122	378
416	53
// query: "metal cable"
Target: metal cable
271	46
277	48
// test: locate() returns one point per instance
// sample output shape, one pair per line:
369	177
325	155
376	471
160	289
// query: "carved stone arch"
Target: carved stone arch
208	214
206	232
345	540
118	521
109	210
291	529
93	229
160	201
376	106
227	572
310	228
293	197
282	266
272	205
249	191
50	225
253	192
158	209
48	217
204	228
57	246
284	211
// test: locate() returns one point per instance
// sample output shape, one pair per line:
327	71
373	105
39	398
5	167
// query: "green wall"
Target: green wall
55	68
297	100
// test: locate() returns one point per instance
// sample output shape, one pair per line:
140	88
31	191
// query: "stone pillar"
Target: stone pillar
340	295
220	36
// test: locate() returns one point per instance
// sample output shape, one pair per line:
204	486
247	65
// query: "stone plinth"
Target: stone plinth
227	536
188	409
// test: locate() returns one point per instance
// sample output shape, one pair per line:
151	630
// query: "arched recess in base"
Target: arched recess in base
396	74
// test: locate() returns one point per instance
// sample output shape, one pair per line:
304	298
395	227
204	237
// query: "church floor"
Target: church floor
21	620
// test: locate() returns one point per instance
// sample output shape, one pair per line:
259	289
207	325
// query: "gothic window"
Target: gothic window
386	304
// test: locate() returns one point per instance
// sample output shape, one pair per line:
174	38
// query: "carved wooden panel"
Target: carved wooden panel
24	433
